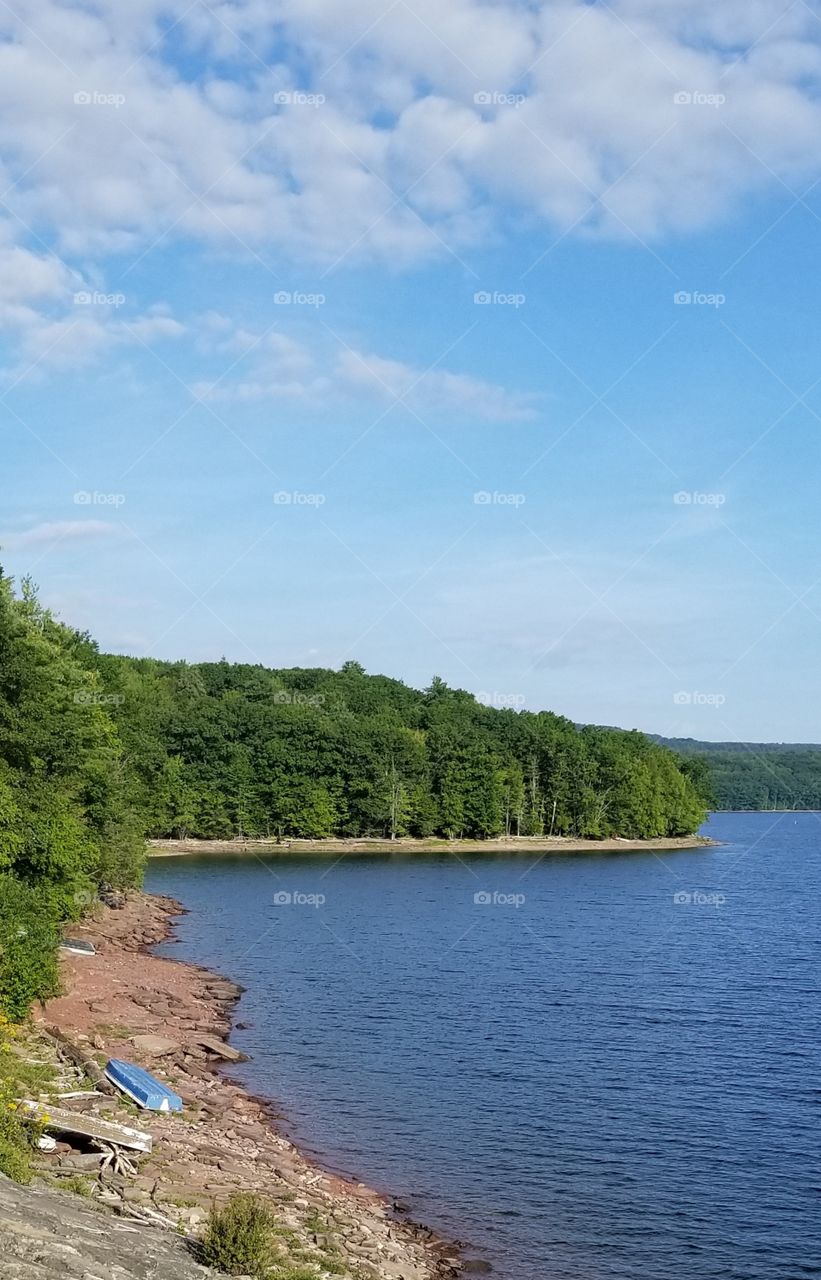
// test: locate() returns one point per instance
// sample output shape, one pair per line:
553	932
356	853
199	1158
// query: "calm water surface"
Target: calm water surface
609	1071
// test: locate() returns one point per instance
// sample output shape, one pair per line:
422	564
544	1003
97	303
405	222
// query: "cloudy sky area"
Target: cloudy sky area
470	339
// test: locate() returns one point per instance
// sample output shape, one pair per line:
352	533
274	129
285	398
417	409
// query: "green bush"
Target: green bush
239	1239
18	1132
28	948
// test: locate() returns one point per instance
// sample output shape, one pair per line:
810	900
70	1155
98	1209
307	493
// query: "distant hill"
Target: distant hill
757	775
694	747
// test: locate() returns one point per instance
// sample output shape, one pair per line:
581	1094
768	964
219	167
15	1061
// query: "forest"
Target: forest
757	775
221	749
98	750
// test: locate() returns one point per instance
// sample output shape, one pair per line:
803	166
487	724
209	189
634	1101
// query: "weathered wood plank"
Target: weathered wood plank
62	1121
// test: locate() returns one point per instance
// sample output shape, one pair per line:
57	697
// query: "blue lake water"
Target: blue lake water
611	1070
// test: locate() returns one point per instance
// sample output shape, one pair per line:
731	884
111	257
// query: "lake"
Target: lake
589	1067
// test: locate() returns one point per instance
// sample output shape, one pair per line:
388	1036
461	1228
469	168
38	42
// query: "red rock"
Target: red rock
154	1046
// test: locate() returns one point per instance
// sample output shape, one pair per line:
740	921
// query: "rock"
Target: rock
253	1132
476	1266
189	1096
155	1046
193	1215
134	1195
113	898
220	1049
49	1235
81	1160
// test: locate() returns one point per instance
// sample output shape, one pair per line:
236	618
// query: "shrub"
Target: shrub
15	1150
239	1239
28	948
18	1131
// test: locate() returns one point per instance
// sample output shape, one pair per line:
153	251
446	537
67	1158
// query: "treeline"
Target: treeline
69	818
758	775
221	749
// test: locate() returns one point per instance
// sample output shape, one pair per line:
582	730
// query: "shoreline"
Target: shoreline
519	845
227	1138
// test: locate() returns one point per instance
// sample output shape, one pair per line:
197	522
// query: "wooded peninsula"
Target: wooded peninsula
98	751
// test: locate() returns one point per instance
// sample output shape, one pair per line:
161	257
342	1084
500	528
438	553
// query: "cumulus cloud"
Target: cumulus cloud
285	369
55	319
411	126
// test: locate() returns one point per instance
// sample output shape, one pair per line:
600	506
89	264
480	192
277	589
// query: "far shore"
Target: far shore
524	845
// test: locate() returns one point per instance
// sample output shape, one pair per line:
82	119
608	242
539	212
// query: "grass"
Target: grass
80	1186
112	1030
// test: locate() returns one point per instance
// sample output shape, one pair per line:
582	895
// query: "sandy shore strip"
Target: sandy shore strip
526	846
225	1140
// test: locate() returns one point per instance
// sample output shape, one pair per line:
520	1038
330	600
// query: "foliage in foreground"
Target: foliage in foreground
28	948
240	1238
18	1133
68	818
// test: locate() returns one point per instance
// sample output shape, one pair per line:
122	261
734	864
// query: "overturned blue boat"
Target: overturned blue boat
142	1087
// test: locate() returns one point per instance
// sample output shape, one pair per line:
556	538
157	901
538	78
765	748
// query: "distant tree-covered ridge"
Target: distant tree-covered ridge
222	749
756	775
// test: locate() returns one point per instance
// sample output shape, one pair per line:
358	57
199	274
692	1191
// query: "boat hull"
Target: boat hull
142	1087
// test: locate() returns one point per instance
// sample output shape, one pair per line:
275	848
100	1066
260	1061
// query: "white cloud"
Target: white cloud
281	368
57	320
431	390
400	156
54	531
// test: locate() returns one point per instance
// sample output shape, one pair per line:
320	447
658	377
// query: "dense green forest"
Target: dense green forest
221	749
97	750
757	775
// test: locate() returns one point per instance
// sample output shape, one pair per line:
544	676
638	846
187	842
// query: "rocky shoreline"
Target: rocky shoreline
125	1002
527	846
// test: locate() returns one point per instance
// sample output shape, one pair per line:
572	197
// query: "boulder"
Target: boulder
155	1046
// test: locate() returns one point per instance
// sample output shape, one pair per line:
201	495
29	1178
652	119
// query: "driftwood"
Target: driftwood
220	1049
68	1049
60	1121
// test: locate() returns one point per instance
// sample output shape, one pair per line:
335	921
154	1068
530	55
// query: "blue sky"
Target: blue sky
351	331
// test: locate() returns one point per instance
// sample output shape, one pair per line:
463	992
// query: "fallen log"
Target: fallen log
58	1120
67	1048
